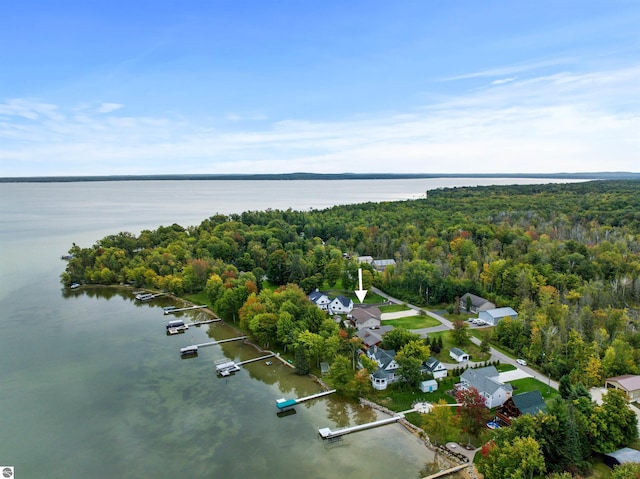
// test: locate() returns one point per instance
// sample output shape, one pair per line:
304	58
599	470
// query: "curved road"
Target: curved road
447	325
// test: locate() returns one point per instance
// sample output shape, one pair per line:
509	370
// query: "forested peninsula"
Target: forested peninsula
565	256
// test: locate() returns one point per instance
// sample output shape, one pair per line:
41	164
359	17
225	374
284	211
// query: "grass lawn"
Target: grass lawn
199	298
447	344
529	384
397	398
393	308
503	368
412	322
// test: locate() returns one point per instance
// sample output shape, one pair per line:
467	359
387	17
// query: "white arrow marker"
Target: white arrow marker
360	293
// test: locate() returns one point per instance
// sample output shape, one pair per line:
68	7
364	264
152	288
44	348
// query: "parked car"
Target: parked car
521	362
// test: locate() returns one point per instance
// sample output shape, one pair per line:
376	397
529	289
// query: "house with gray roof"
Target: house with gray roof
493	316
458	354
373	336
321	300
381	264
486	381
341	305
387	367
629	383
364	318
435	367
475	303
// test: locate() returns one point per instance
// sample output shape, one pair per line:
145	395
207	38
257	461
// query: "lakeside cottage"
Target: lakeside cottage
372	336
364	318
530	403
486	381
387	367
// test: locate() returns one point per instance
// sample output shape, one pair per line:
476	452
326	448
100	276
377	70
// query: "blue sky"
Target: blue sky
429	86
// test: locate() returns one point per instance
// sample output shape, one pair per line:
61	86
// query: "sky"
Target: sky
256	86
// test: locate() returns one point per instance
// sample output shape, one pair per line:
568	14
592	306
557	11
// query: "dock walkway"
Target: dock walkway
283	403
446	472
327	433
178	310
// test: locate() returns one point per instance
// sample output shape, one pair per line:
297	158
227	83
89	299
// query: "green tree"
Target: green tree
519	459
397	338
410	359
630	470
440	423
460	333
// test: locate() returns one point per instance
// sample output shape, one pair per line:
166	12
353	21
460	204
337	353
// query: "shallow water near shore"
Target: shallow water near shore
91	386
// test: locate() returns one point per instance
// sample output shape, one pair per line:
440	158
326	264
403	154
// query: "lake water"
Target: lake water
90	385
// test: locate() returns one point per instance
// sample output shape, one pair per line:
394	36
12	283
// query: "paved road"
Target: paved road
447	325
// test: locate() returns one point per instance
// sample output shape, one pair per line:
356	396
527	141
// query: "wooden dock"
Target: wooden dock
327	433
284	404
178	310
446	472
247	361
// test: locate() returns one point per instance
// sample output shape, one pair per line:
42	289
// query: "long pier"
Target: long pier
446	472
283	404
327	433
178	310
247	361
194	347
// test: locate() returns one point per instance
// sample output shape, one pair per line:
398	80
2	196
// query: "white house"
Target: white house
475	303
493	316
459	355
320	299
364	318
435	367
341	305
387	367
485	380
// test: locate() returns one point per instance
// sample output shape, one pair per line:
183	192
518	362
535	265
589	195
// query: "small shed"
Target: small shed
429	386
324	368
621	456
459	355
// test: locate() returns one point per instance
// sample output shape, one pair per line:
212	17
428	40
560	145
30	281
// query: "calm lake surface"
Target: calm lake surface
90	385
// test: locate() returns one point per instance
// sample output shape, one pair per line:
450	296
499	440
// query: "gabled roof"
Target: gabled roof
316	296
457	351
501	312
343	300
371	337
476	301
362	315
383	356
484	380
432	363
530	402
630	382
626	454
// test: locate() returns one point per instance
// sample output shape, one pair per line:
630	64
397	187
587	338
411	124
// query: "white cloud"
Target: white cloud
108	107
503	80
559	122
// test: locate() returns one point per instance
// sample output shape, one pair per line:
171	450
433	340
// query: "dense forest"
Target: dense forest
565	256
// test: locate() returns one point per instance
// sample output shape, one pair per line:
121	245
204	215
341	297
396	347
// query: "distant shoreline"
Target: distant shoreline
610	175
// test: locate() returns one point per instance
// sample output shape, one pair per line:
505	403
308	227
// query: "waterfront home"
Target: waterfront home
486	381
530	402
387	366
459	355
475	303
493	316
